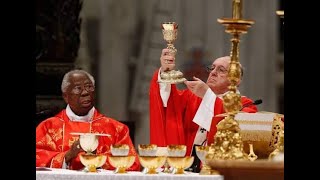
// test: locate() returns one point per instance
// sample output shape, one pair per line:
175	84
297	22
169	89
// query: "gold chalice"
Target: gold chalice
201	152
89	143
176	158
120	159
151	163
180	163
170	34
92	161
148	158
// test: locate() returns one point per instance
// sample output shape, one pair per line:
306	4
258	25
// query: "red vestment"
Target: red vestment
173	124
53	139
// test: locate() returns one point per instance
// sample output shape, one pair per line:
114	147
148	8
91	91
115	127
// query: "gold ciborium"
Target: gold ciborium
170	33
92	161
120	159
148	158
89	143
179	164
202	152
177	159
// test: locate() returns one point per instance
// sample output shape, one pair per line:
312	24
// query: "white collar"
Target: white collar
73	117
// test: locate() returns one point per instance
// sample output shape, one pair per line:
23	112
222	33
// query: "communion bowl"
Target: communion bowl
152	163
177	150
121	163
180	163
147	149
92	161
119	150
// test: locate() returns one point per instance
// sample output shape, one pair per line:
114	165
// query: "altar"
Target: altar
58	174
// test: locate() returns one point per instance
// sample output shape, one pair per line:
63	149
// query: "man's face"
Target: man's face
80	94
218	77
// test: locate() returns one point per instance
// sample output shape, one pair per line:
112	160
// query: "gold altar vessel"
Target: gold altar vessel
89	143
177	159
92	161
148	158
229	154
120	159
170	34
228	144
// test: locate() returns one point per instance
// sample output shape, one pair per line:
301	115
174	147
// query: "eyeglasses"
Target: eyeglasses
79	89
220	69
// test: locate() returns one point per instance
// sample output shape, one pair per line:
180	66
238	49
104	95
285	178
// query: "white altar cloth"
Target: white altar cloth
59	174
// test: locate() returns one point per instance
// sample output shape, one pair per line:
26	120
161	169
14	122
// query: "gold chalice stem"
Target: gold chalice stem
92	168
151	170
180	170
166	167
121	170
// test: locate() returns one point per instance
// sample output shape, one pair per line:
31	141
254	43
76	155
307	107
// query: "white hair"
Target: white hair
66	78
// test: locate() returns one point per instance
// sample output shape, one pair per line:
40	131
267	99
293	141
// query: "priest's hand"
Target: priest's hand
167	61
73	151
197	87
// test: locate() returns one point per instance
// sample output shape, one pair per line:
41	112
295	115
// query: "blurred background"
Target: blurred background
120	41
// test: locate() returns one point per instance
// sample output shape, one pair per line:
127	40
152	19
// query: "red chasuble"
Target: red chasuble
173	124
53	139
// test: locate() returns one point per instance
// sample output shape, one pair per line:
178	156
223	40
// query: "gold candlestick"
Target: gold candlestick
227	141
170	34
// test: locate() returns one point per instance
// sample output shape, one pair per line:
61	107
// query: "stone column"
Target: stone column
117	27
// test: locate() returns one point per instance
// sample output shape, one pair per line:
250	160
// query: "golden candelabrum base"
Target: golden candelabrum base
151	163
228	144
92	161
121	163
179	164
201	152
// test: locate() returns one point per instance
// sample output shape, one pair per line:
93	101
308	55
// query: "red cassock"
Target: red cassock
173	124
53	139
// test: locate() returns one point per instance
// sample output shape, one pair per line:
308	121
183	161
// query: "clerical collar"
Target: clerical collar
73	117
221	95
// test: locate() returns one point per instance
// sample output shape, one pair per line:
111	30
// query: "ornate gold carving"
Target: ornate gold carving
228	143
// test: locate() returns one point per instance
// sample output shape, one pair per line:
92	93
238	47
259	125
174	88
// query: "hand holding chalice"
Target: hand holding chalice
170	33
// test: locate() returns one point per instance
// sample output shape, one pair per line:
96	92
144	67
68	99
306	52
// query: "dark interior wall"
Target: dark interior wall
57	44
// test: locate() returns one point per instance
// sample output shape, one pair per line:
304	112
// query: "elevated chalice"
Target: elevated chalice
170	33
120	159
148	158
